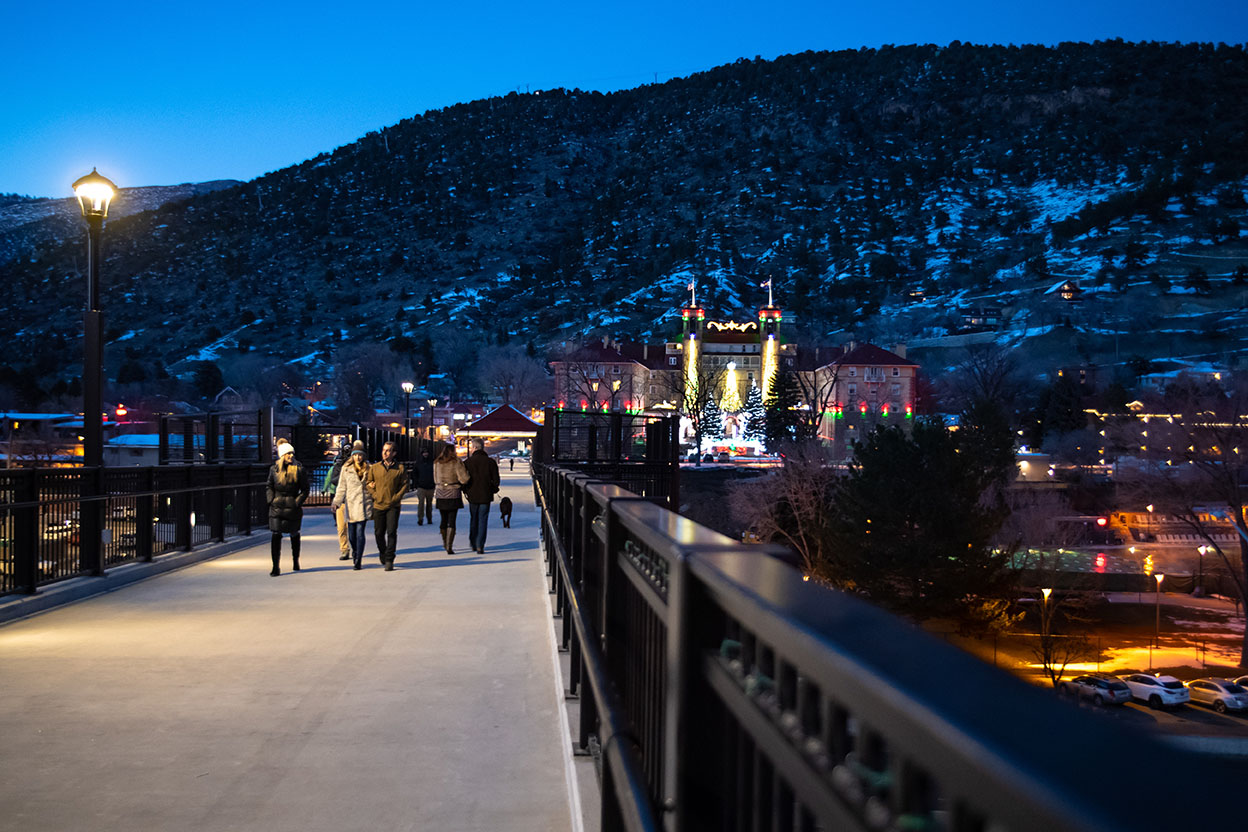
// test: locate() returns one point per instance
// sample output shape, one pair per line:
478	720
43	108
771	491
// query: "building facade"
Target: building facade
846	390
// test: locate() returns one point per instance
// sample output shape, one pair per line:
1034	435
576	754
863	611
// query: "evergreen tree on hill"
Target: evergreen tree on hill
780	424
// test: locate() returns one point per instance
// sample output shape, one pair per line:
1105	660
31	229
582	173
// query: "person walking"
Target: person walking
450	475
387	483
354	501
331	488
286	491
425	485
511	464
483	482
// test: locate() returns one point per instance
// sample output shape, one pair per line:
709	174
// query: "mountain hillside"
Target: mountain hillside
888	192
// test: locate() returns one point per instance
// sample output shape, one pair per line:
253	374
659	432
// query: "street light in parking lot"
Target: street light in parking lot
1200	565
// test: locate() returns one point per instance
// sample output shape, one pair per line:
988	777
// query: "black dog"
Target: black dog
504	510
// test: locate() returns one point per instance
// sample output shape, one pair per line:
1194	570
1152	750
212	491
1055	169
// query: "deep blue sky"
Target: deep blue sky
158	93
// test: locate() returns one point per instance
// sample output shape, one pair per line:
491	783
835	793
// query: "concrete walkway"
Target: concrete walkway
218	698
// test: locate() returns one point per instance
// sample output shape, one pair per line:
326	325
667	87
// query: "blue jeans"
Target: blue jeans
355	531
478	522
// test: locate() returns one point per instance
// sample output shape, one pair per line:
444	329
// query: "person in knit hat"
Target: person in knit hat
354	500
286	491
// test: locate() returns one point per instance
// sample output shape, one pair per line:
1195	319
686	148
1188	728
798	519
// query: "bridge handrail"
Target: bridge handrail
754	695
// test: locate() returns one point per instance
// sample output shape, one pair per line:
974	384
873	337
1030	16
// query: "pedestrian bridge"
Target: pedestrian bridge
217	698
710	688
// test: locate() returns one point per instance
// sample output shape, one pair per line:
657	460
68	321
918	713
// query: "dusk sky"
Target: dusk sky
158	93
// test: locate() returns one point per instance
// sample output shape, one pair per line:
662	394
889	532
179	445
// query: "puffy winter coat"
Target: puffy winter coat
353	494
450	476
286	499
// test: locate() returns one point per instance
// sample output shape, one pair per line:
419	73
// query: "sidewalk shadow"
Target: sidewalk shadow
336	568
453	560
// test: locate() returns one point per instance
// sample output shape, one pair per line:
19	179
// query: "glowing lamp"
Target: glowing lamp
408	387
1101	521
121	410
94	194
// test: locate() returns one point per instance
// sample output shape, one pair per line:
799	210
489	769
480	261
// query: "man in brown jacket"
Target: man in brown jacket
387	483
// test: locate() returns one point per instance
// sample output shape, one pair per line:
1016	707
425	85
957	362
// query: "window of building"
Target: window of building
853	389
615	368
896	371
853	371
653	389
896	390
672	361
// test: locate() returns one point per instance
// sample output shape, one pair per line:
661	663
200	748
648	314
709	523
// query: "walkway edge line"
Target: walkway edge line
72	590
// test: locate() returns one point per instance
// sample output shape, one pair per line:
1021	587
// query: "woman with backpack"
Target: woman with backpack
287	490
355	501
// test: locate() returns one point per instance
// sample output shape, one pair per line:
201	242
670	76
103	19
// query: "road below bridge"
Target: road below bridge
218	698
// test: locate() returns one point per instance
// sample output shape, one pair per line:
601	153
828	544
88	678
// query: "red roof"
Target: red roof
871	354
505	419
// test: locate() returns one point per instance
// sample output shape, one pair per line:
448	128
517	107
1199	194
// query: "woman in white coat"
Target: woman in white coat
359	503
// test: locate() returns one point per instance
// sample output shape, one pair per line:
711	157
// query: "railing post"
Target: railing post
216	503
26	531
188	441
162	454
211	429
616	440
182	512
264	449
144	528
90	523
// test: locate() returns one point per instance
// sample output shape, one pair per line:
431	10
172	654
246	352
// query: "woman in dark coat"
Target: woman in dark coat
286	492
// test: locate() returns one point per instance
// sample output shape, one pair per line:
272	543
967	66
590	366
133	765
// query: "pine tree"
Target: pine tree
713	420
781	421
754	418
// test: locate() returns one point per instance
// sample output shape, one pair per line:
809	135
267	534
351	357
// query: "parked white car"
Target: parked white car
1101	688
1157	691
1223	694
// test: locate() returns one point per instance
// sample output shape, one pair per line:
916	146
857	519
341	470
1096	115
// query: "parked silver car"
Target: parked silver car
1101	688
1157	691
1223	694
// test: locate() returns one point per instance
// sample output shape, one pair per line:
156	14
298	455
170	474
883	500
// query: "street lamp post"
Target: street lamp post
1157	631
1200	566
94	193
408	387
432	404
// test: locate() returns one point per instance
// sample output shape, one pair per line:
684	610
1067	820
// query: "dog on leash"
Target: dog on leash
504	511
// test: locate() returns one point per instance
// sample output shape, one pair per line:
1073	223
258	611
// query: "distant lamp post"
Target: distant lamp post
1160	577
1151	535
1200	565
408	387
94	193
432	404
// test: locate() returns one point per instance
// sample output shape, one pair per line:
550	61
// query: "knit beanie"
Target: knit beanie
284	448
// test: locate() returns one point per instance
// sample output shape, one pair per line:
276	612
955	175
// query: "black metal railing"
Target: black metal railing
47	516
724	692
